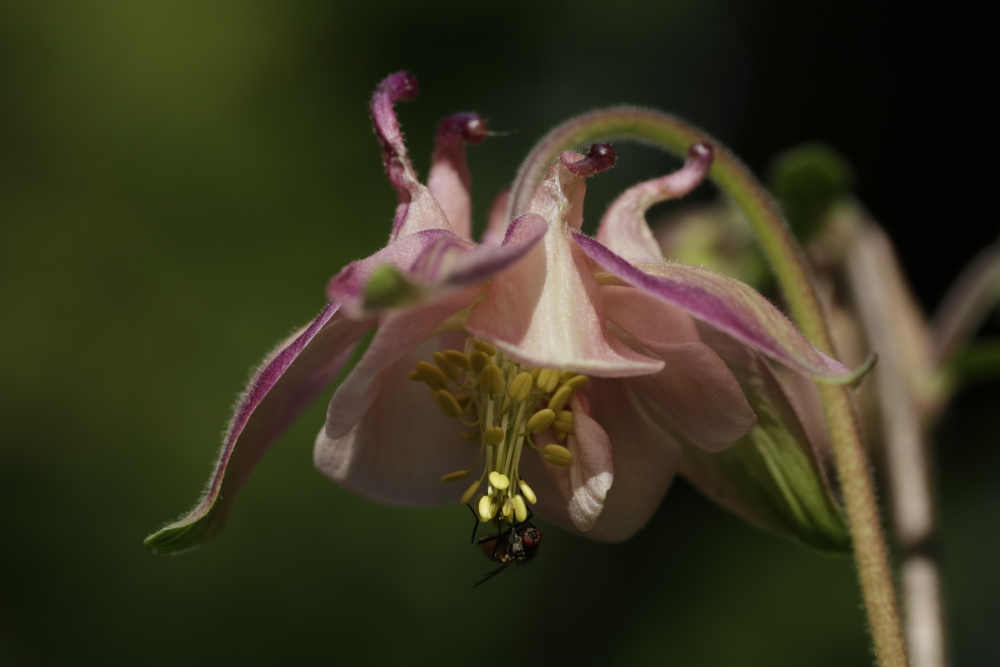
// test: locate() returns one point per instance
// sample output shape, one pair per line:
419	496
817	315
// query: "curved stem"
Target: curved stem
792	272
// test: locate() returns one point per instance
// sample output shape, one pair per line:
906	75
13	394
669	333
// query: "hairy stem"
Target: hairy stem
792	272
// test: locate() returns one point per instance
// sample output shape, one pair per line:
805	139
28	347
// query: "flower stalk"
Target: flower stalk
794	277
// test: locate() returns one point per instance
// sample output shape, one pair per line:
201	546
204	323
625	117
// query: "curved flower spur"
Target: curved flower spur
573	376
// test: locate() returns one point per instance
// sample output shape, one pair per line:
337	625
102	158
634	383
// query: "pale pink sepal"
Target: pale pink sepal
545	309
725	303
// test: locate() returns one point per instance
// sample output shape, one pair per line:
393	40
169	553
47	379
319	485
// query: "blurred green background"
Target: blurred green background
178	180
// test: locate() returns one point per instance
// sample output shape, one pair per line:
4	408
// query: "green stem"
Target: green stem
793	274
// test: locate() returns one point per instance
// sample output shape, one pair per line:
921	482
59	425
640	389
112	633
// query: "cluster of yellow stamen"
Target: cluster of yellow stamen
507	403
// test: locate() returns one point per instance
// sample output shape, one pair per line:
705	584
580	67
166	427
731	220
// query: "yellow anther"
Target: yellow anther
447	403
491	380
487	507
469	435
432	375
469	492
576	381
548	380
559	398
448	368
499	481
458	358
456	476
479	361
520	387
485	347
508	508
415	376
507	403
565	375
540	421
494	435
520	509
563	422
535	373
558	455
529	495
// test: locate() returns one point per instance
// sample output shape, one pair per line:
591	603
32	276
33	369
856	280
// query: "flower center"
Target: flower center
507	403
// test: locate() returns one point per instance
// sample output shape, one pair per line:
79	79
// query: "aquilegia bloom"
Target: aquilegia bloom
580	369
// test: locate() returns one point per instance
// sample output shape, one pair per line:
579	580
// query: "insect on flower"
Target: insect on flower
514	546
590	366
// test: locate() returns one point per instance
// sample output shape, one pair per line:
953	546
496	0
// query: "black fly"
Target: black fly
515	545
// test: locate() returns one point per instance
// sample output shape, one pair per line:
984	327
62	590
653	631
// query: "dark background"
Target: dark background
178	180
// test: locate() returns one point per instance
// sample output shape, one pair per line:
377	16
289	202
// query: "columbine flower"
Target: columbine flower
548	368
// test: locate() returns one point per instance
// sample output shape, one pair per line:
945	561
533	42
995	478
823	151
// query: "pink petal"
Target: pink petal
545	310
725	303
288	380
646	459
574	497
449	179
402	445
695	396
624	231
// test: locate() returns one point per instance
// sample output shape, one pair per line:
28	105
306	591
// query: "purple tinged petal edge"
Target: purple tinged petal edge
742	312
235	465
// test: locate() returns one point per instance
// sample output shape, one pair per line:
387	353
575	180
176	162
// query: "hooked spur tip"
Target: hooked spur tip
472	127
701	150
399	86
600	157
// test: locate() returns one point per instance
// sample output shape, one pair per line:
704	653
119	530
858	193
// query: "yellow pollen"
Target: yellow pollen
447	403
520	387
548	380
487	508
469	492
507	404
494	435
520	508
479	361
491	380
558	455
456	476
507	509
499	481
529	494
432	375
485	347
540	421
448	368
458	358
563	422
559	398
